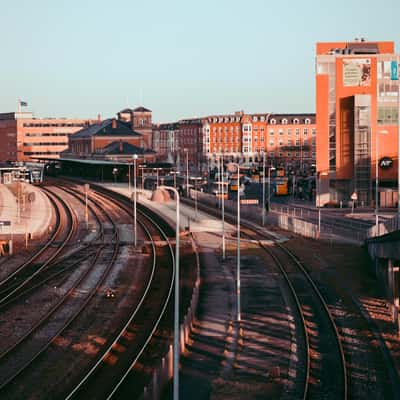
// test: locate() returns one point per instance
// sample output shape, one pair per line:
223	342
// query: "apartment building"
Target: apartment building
283	139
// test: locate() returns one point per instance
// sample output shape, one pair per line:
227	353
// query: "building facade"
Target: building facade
357	104
25	138
283	139
140	120
93	139
165	141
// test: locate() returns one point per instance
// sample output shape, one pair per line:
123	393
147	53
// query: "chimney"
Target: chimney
120	146
114	124
99	119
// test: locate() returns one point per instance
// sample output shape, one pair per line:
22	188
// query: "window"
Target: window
271	142
305	131
280	154
271	132
296	121
314	154
272	154
313	132
289	132
262	118
305	154
307	121
297	154
273	121
280	132
255	119
297	131
289	154
284	121
297	142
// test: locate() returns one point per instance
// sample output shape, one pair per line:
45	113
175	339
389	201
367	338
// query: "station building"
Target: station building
357	108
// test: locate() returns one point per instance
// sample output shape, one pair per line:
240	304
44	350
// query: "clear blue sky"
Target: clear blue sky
78	58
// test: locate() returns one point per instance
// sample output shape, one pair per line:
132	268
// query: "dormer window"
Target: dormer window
296	121
307	121
255	119
284	121
273	121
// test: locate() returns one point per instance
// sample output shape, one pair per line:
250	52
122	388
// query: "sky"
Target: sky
181	59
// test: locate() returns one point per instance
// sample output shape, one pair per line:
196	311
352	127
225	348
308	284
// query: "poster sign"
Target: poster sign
386	162
357	72
394	71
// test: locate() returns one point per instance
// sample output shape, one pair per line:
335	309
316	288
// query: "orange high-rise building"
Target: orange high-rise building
357	107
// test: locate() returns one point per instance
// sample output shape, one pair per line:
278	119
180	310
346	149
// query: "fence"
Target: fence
390	225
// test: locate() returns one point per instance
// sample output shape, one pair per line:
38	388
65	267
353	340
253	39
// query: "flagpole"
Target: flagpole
18	105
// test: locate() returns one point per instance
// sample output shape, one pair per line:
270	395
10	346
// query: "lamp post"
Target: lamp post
187	171
239	315
176	300
135	157
383	132
129	177
271	168
263	191
223	211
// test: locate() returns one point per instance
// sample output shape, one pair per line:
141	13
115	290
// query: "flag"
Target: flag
23	103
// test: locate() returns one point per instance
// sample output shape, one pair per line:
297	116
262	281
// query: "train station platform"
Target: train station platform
196	222
30	215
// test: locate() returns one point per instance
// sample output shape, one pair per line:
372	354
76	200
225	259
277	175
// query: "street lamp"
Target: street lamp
135	157
174	173
239	317
176	300
271	168
377	178
187	171
263	191
223	210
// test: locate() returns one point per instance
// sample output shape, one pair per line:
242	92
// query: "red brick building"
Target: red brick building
140	120
24	137
284	139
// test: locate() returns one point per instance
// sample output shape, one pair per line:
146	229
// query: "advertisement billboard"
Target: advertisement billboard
357	72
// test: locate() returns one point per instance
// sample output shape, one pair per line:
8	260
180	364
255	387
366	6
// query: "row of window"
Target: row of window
248	128
46	144
30	134
272	154
261	118
53	125
40	153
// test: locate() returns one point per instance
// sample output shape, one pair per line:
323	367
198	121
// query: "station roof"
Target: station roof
106	129
91	162
121	147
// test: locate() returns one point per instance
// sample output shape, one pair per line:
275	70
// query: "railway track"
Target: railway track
142	313
327	358
26	275
322	350
22	354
